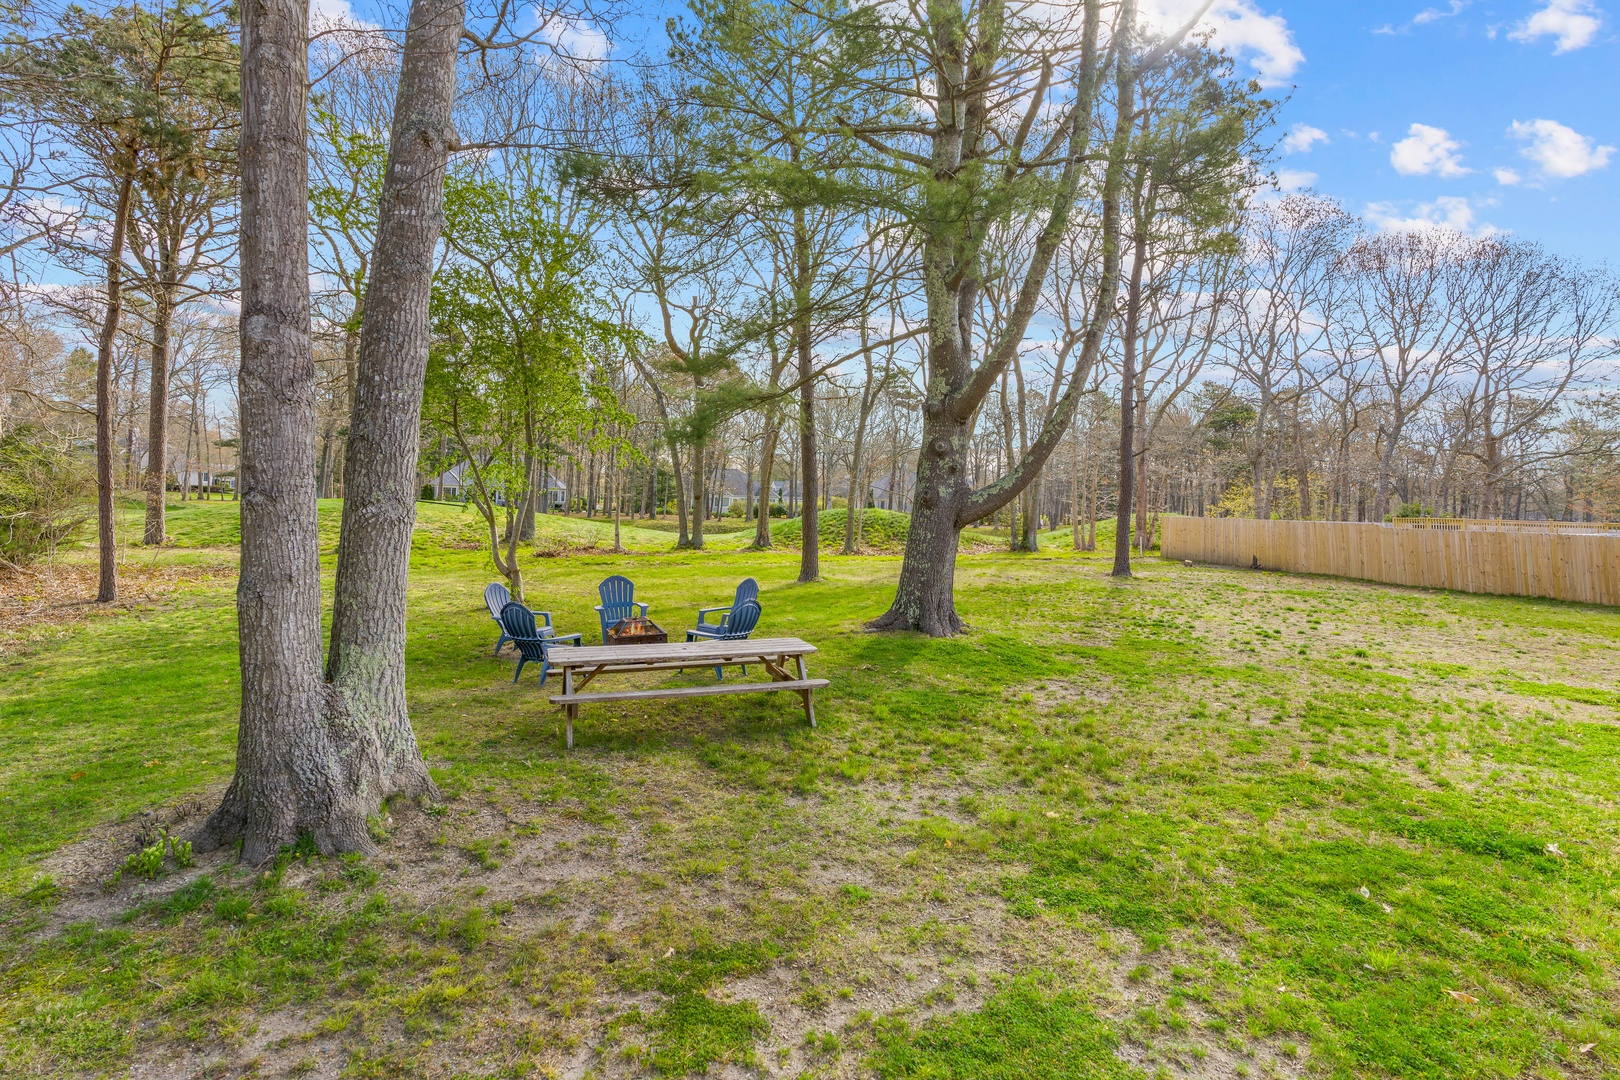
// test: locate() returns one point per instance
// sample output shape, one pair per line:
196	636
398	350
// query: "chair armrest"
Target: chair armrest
572	639
703	613
642	606
599	609
546	615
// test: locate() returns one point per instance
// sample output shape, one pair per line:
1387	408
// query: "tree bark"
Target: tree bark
366	662
294	759
157	405
699	500
107	544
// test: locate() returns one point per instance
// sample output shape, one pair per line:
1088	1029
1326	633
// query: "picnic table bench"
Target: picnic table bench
581	665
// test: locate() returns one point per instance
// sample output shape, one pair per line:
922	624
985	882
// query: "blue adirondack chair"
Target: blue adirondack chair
533	642
747	589
618	602
736	626
496	597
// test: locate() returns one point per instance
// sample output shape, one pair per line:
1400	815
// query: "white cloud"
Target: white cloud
1560	152
1427	151
332	14
1429	15
576	40
1447	212
1240	27
1294	179
1573	22
1301	138
1506	177
1424	17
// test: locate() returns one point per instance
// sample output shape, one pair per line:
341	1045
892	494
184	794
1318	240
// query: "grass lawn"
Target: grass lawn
1206	822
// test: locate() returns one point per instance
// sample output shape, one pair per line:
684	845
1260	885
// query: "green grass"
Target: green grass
1204	821
881	530
1024	1030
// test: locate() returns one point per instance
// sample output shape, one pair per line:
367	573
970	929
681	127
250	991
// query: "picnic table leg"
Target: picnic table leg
569	710
809	705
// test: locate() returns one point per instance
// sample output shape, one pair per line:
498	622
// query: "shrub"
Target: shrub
45	493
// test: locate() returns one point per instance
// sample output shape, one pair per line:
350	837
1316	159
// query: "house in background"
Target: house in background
199	479
733	486
456	483
879	494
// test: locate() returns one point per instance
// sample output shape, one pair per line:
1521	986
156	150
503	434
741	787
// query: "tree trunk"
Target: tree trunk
295	749
809	533
698	500
367	657
1014	538
107	545
1074	486
683	538
157	405
1029	502
924	598
767	466
1127	414
855	507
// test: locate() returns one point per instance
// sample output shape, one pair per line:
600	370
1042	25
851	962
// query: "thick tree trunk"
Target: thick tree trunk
107	544
924	599
367	658
157	406
699	500
295	748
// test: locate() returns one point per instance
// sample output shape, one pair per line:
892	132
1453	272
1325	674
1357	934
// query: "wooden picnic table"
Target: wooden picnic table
580	665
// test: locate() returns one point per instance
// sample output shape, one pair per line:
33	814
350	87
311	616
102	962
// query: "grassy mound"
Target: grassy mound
881	530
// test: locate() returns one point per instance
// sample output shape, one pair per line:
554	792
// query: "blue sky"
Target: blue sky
1480	114
1515	102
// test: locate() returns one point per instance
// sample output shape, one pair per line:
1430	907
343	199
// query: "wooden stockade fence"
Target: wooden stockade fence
1517	561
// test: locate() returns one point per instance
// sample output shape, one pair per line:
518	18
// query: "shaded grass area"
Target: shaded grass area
1200	820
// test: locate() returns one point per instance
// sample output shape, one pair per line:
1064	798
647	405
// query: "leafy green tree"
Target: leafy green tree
43	489
515	325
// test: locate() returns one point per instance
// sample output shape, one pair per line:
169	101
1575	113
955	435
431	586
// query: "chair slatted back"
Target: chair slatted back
496	597
618	598
747	589
741	621
520	627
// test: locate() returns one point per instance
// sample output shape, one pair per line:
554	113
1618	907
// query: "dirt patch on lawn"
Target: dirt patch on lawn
43	600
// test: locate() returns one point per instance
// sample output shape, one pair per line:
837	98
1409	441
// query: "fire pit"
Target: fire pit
637	631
